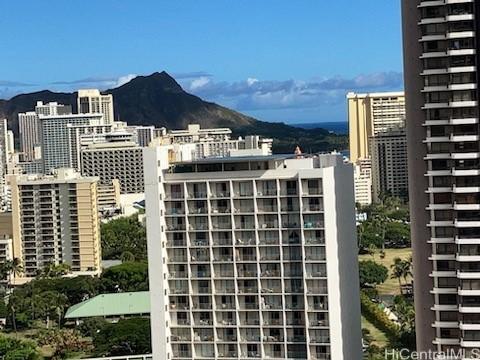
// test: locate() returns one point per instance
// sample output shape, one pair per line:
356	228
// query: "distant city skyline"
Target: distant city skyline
295	70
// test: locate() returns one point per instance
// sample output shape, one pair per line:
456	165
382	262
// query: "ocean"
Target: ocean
338	127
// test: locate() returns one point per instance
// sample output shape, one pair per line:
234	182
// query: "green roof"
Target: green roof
116	304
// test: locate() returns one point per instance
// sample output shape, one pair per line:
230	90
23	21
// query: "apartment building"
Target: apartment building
52	109
80	136
216	142
3	159
144	134
363	182
441	83
252	257
115	160
55	220
29	136
91	101
55	139
6	237
108	196
372	114
389	168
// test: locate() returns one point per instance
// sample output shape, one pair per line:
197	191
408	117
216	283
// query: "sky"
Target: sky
277	60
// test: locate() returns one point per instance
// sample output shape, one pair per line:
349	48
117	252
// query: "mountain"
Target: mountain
159	100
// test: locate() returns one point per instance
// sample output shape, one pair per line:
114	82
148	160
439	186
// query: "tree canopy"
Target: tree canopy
129	276
125	235
371	273
127	337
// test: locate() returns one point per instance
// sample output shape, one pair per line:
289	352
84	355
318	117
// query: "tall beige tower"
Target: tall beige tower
55	220
91	101
372	114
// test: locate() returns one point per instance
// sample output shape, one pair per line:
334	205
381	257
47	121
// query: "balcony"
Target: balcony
174	195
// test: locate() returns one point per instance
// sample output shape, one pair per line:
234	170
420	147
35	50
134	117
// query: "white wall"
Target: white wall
342	264
155	243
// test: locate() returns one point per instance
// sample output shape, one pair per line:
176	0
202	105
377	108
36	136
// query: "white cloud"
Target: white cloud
122	80
199	83
255	94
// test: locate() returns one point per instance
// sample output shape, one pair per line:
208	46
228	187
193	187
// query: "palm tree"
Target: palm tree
397	271
10	268
127	256
407	269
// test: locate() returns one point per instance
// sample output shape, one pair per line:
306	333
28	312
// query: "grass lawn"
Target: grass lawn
381	339
390	287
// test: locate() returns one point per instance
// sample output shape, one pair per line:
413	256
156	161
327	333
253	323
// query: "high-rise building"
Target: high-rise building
144	135
371	114
6	237
80	136
29	135
245	262
29	128
441	83
55	139
388	153
55	220
363	182
108	196
3	158
91	101
216	142
115	160
52	109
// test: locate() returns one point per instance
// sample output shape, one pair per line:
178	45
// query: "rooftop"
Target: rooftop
117	304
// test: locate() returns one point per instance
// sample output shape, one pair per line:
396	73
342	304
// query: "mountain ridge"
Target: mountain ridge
159	100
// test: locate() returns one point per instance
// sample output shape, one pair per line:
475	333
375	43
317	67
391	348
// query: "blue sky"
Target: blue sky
278	60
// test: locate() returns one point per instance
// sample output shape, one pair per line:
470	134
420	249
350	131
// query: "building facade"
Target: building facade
247	264
55	140
216	142
115	160
29	135
55	220
371	114
91	101
388	153
363	182
441	83
3	160
52	109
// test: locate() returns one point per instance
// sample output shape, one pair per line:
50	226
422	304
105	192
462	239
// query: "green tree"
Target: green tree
401	269
397	234
127	337
51	305
14	349
130	276
372	274
54	271
122	235
63	342
91	326
127	256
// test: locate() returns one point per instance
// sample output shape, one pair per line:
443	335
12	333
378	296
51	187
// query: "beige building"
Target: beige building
363	182
108	195
91	101
6	235
55	220
372	114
